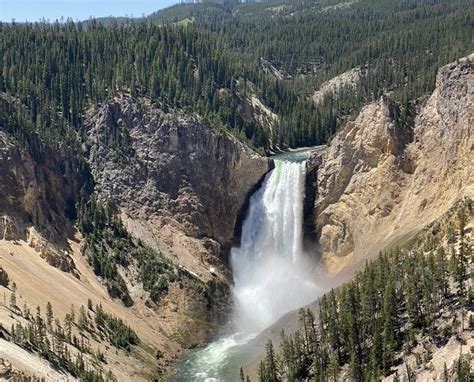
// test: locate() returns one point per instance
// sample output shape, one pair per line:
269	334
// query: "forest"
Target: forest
407	299
56	72
212	59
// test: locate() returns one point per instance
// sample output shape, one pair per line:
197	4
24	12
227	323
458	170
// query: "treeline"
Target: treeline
57	71
403	300
399	46
57	342
118	333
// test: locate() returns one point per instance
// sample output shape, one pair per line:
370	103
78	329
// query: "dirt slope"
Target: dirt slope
37	283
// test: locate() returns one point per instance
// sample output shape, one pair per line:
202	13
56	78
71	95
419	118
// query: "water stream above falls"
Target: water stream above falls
272	275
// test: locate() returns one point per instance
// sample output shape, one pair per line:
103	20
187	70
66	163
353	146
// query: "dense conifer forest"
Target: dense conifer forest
207	65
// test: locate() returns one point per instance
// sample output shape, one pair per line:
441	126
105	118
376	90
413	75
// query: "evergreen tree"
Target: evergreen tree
4	279
270	363
49	315
13	297
390	324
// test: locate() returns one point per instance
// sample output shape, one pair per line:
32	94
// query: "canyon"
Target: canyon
183	189
384	176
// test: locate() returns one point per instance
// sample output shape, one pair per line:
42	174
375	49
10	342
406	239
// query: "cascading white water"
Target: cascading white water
271	273
271	276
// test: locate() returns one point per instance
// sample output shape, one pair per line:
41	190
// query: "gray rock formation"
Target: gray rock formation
181	187
37	200
172	168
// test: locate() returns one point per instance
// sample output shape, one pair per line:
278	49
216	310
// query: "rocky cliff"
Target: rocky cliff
385	177
182	187
38	198
179	185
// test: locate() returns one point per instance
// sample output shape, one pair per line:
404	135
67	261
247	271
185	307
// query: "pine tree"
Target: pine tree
270	363
390	324
262	375
333	367
443	270
68	323
49	315
13	297
82	320
461	274
4	279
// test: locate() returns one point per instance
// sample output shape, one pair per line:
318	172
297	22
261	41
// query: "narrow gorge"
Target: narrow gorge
343	204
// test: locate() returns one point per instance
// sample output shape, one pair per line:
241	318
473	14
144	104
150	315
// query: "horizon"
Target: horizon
77	10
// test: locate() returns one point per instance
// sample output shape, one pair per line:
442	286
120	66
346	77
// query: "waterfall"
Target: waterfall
271	274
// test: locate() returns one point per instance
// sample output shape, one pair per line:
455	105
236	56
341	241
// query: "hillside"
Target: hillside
208	65
407	316
76	233
385	175
388	185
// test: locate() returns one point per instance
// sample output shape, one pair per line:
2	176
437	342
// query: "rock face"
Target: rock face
181	188
172	168
382	179
37	200
334	85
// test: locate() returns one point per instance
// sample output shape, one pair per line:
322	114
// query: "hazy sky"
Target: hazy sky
34	10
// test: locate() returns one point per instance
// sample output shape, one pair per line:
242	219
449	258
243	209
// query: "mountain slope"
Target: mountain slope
388	180
406	316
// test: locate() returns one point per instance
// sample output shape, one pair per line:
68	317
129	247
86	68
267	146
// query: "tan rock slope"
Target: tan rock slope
37	199
383	178
334	85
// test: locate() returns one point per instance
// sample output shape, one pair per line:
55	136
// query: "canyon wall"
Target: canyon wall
385	176
181	186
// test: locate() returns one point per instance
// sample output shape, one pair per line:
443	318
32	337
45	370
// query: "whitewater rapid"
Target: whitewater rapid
272	275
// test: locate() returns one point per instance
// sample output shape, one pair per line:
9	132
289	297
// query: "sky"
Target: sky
35	10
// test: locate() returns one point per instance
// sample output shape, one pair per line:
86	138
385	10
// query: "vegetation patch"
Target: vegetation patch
109	246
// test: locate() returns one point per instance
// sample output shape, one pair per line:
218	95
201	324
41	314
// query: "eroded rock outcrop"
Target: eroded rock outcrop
37	200
181	187
172	169
383	179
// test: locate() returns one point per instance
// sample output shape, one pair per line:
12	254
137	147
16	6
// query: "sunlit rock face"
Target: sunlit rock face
383	178
38	196
180	186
